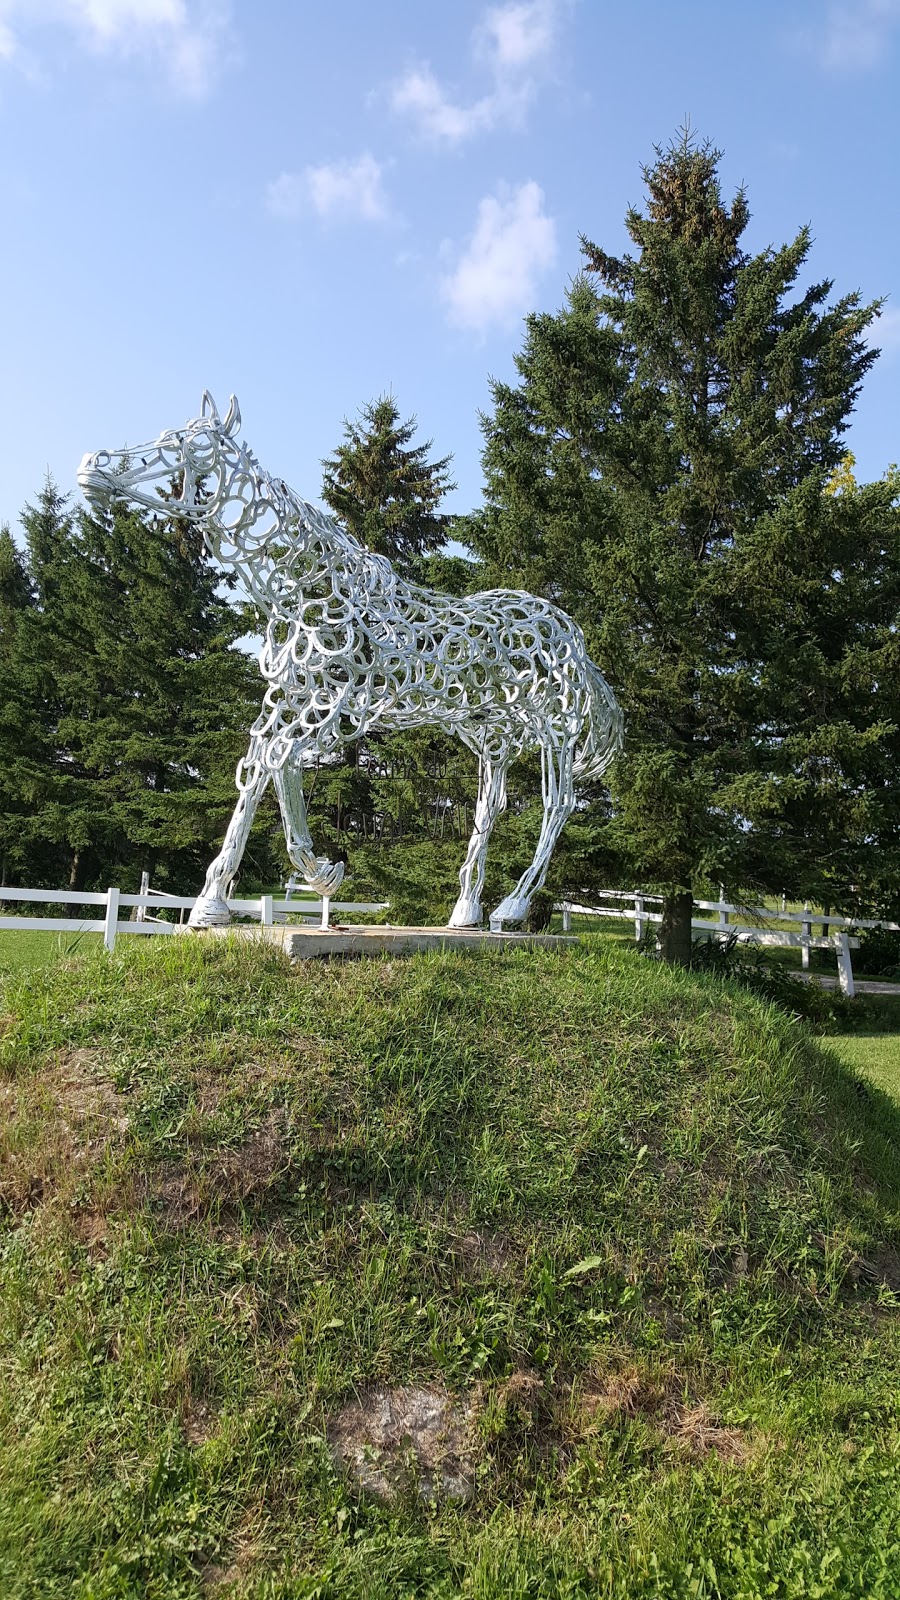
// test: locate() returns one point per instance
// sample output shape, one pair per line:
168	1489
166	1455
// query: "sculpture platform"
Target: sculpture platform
308	944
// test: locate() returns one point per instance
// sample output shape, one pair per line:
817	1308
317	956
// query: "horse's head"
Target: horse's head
201	452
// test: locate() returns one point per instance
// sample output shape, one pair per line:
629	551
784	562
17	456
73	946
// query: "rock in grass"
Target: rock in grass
394	1440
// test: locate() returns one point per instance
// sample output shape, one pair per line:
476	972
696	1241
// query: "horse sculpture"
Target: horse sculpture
351	646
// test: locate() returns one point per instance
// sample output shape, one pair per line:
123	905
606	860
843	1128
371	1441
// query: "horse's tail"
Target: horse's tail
605	730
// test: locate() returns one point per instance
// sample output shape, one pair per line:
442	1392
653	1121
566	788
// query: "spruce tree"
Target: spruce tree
660	469
25	755
397	789
385	492
146	699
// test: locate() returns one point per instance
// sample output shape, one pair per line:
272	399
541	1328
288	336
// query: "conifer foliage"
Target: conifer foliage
386	492
412	789
129	702
660	469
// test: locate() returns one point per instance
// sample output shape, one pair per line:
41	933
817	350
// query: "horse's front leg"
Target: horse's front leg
317	872
210	909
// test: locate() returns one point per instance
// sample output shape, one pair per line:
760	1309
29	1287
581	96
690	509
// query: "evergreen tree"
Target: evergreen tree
660	470
24	753
146	699
411	790
385	492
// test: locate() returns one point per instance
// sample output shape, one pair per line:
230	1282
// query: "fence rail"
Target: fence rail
268	908
633	903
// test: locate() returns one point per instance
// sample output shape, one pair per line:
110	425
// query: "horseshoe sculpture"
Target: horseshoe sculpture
351	646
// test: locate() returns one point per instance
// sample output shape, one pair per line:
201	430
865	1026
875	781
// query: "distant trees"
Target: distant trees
125	703
661	468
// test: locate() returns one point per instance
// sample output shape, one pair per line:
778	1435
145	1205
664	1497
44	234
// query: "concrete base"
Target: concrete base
306	944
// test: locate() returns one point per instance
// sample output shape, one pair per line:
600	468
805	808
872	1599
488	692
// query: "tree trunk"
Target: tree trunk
675	928
77	870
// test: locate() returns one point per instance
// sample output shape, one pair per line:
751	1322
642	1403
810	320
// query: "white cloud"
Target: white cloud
420	95
341	191
190	37
514	43
495	280
884	333
513	37
857	33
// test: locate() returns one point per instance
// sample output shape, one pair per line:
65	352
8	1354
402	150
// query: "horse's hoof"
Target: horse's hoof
466	913
209	912
513	909
327	878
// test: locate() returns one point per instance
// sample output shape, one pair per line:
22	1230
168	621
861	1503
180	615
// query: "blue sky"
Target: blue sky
312	204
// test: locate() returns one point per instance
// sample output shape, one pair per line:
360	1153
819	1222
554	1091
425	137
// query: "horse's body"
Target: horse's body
350	645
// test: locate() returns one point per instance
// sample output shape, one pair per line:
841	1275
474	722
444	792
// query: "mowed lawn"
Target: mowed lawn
876	1055
23	949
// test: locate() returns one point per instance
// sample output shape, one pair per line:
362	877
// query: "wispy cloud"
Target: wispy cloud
884	333
191	38
513	43
495	279
857	33
342	191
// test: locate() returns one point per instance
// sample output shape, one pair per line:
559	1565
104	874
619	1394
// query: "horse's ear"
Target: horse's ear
208	407
232	421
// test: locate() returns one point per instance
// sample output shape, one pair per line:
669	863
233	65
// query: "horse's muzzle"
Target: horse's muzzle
95	479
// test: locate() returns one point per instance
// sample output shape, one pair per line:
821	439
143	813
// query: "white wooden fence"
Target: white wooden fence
267	909
841	937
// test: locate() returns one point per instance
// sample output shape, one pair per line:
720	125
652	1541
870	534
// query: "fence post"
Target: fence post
267	913
845	965
723	914
567	917
141	911
638	918
805	936
110	923
326	910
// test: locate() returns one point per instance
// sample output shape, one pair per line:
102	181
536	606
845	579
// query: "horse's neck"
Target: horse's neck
280	545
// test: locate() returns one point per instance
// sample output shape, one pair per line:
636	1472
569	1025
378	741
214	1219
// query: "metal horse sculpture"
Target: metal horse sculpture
351	646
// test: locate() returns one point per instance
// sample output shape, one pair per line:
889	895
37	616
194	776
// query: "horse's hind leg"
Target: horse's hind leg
559	802
210	909
491	800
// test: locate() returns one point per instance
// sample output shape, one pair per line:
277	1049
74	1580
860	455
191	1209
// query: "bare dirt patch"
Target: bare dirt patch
218	1180
391	1440
198	1423
700	1433
55	1126
490	1254
880	1266
248	1169
686	1424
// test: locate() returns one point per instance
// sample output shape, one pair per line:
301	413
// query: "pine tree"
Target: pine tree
24	753
385	493
146	700
409	789
659	469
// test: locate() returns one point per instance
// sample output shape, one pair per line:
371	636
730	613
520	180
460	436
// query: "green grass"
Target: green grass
25	948
873	1055
638	1221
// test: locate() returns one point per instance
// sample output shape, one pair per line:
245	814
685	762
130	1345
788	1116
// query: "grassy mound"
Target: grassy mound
628	1235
